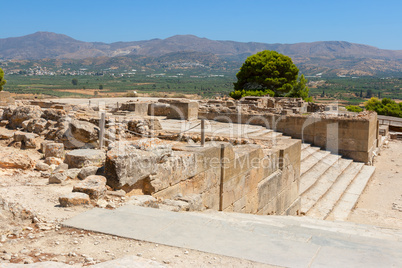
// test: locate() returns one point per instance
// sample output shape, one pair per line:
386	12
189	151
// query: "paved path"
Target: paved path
275	240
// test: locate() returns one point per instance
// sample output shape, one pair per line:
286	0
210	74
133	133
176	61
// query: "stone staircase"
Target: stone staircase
330	185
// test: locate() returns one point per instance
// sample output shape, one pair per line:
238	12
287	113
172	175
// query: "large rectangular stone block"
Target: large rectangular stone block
139	108
183	110
268	189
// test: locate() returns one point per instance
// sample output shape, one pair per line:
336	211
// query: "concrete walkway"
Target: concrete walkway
275	240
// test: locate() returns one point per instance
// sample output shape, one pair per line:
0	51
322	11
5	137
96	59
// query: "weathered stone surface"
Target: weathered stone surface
72	173
3	123
129	162
61	167
85	157
30	141
94	186
183	110
84	131
8	112
39	125
15	160
41	166
22	113
43	145
57	178
136	107
194	202
158	109
120	193
178	204
6	136
53	114
36	125
142	200
54	150
74	199
53	161
144	126
27	139
87	171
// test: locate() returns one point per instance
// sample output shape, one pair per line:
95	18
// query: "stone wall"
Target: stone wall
352	137
244	178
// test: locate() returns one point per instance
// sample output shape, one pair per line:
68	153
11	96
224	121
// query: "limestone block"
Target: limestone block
84	157
12	159
53	161
54	150
158	109
74	199
41	166
72	173
53	114
210	198
268	189
130	162
178	204
28	140
23	113
137	107
141	200
57	178
43	145
84	131
3	123
144	126
94	186
194	201
183	110
39	125
6	136
180	166
87	171
294	208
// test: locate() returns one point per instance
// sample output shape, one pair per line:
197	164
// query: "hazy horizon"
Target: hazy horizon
363	22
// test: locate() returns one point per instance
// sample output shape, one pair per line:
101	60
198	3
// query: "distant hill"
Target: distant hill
336	57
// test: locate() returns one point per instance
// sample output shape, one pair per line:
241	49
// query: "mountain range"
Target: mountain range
333	57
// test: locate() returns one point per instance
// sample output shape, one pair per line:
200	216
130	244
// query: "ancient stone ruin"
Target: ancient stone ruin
258	155
151	148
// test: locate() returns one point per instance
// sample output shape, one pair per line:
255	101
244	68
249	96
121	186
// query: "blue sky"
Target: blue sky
376	23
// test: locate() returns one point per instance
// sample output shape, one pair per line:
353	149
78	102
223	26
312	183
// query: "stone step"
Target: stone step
309	178
349	198
307	151
324	206
305	145
262	132
312	195
268	136
307	163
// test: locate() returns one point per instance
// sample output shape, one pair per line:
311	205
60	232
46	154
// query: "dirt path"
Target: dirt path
381	202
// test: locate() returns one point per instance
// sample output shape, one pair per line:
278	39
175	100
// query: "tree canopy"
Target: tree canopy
269	73
384	107
74	81
2	80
